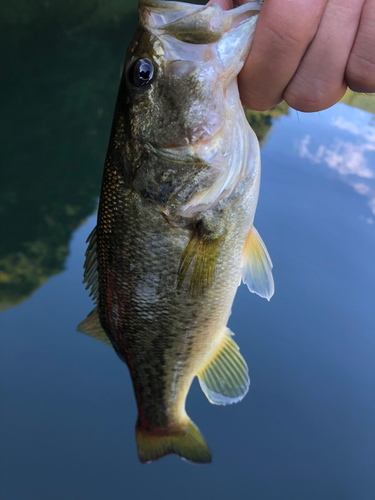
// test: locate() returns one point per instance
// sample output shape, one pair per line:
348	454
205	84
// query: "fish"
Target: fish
175	234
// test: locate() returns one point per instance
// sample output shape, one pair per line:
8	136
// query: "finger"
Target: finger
319	81
360	71
284	31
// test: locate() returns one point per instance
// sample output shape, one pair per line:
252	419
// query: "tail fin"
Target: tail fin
187	442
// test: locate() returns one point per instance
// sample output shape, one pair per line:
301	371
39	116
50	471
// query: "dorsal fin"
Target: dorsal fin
90	275
92	327
257	267
225	379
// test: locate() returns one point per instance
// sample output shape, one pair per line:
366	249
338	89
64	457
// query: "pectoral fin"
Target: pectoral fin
257	268
91	326
225	379
204	252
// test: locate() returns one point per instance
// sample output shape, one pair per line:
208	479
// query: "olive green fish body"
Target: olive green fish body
175	227
164	335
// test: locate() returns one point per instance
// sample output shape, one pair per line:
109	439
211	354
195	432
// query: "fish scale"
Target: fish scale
181	329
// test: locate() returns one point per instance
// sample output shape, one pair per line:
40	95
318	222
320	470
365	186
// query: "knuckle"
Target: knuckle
283	38
256	101
345	9
259	106
360	69
311	94
302	103
360	72
256	97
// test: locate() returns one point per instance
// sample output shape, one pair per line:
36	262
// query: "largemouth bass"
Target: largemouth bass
175	223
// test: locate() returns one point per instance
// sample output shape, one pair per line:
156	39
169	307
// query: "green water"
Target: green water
307	427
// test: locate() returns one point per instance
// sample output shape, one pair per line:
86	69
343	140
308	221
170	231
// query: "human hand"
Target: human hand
307	52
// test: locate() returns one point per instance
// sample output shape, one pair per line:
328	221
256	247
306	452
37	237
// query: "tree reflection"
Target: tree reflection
261	122
61	72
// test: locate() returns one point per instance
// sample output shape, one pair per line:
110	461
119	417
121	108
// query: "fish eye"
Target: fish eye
143	72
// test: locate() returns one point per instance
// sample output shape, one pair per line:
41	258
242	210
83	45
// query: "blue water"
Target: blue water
306	429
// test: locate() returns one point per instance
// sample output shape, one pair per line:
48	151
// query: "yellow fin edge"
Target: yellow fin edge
257	266
225	379
187	442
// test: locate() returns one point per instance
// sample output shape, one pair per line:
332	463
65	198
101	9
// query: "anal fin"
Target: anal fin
225	379
92	327
257	266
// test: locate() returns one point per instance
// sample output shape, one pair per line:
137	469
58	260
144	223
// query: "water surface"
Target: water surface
306	429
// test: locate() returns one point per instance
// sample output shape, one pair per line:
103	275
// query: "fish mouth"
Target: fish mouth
211	63
195	24
202	134
184	155
203	34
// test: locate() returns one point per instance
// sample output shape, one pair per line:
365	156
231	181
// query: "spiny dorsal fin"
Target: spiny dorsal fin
225	379
257	267
92	327
204	251
90	275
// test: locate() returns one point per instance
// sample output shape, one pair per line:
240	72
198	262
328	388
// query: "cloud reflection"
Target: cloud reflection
349	158
345	157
